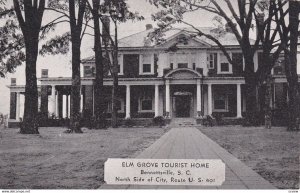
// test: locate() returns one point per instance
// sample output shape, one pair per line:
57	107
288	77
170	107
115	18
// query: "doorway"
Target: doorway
183	105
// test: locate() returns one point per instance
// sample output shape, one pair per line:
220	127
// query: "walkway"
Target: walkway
190	143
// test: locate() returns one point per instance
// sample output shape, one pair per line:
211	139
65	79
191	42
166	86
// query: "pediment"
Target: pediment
184	40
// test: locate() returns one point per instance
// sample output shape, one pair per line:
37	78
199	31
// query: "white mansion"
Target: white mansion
193	80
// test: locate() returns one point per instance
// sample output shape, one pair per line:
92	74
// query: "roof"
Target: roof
138	39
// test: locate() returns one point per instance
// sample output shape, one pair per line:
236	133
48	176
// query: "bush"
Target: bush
128	122
159	121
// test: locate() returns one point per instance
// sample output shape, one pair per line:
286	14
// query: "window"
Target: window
212	60
44	73
146	68
182	60
146	104
119	104
172	60
146	64
238	59
220	100
194	66
120	65
182	65
224	66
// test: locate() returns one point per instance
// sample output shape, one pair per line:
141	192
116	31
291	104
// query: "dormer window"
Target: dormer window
146	64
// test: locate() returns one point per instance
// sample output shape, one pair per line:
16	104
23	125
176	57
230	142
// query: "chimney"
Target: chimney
261	19
149	26
228	28
13	81
105	29
44	73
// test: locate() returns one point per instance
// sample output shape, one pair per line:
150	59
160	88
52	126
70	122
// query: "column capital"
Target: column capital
167	81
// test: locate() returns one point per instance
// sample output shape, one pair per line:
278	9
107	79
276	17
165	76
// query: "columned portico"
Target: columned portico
127	116
156	102
238	101
167	98
209	99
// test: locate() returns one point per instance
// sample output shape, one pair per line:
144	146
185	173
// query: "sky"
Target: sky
60	65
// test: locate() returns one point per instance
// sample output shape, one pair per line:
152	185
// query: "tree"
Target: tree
76	24
239	20
77	14
30	26
116	11
11	44
289	35
98	83
271	49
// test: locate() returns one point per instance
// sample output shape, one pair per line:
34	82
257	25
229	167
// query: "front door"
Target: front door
183	105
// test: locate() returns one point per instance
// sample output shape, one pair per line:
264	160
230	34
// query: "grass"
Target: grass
274	153
56	160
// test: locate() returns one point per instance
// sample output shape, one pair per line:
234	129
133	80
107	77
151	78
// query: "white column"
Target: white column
64	105
69	105
127	102
18	107
156	102
167	98
198	98
209	100
81	100
238	101
57	104
53	100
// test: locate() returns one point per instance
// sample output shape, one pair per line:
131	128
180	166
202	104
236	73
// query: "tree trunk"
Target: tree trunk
98	86
267	108
76	84
30	120
291	67
251	118
114	115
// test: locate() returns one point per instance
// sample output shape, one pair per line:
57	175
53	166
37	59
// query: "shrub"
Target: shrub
128	122
159	121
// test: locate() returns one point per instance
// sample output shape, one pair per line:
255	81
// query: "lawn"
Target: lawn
274	154
55	159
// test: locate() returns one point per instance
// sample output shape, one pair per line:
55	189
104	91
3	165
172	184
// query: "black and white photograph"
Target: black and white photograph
149	94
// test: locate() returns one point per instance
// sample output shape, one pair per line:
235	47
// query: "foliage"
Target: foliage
128	122
159	121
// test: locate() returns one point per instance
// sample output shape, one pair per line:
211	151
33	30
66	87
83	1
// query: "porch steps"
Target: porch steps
183	122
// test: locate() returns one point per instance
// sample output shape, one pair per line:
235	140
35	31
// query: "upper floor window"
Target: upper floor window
237	58
146	64
182	60
182	65
120	64
172	60
224	66
212	59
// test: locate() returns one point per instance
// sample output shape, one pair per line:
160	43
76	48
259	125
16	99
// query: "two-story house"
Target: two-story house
183	77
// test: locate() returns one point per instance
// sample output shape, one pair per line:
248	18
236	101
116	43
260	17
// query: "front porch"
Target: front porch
138	100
